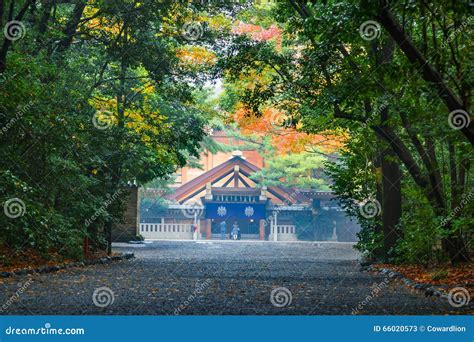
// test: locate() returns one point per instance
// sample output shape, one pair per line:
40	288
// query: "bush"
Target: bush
369	242
421	232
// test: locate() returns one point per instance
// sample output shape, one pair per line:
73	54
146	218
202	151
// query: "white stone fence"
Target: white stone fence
283	233
156	231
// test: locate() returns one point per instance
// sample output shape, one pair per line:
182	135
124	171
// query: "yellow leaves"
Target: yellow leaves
219	22
177	15
147	89
103	104
97	24
195	57
147	122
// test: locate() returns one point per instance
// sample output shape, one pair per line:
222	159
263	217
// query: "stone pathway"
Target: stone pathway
229	277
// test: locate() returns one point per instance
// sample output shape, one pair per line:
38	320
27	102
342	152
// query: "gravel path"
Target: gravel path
171	277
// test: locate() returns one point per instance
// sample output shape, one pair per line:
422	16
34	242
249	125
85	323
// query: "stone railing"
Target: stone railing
166	231
283	233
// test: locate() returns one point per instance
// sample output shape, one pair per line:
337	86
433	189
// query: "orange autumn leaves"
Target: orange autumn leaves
196	57
273	123
284	136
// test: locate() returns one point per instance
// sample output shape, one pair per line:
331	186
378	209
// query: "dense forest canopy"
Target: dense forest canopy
98	95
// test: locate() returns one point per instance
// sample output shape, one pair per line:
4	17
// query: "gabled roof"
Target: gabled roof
198	184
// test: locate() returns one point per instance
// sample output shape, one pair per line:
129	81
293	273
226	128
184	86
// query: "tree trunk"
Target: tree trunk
378	253
392	200
392	192
7	42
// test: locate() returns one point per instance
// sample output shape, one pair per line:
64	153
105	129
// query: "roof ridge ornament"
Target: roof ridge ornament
237	153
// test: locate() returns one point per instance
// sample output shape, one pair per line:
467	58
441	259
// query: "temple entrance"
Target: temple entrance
249	229
243	208
227	192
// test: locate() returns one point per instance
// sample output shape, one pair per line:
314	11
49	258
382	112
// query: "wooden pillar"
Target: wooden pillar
208	229
236	176
202	227
262	229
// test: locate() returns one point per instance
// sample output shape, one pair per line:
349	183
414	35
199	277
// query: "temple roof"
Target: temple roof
242	170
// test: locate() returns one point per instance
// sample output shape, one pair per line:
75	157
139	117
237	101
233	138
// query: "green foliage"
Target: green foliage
328	77
294	170
84	113
369	242
421	231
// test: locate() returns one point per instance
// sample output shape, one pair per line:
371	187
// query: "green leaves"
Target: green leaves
84	119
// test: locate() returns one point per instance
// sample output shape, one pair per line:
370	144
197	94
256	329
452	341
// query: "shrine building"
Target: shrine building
224	191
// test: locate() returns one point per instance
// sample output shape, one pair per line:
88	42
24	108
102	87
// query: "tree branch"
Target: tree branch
430	74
